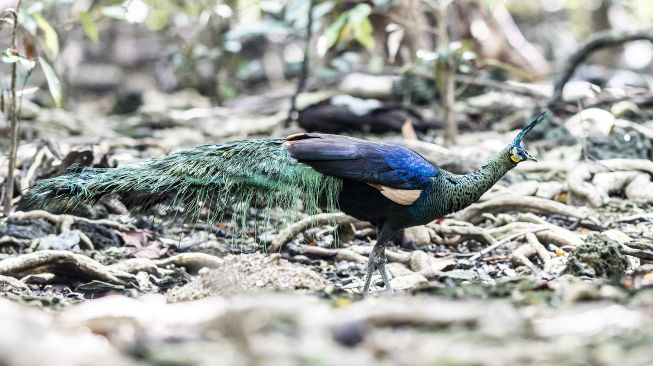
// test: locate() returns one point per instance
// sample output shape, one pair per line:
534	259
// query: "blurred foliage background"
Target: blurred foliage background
224	49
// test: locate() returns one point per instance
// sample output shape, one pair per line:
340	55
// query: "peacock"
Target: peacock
387	185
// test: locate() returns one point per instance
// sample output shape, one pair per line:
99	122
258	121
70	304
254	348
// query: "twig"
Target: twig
303	75
504	241
13	148
320	219
600	40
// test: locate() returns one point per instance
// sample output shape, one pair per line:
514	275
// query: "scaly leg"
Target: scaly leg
377	259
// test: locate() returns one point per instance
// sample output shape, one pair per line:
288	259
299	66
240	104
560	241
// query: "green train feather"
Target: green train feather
214	178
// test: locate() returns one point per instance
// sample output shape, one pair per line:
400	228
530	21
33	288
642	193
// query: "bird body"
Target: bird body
390	186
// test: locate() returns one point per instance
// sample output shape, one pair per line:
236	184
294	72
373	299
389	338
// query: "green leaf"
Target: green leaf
332	34
352	24
50	37
11	56
88	24
363	33
54	85
359	13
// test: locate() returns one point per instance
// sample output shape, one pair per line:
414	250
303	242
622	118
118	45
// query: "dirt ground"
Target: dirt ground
553	266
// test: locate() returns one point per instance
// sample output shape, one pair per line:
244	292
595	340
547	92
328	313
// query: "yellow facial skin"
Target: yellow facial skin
513	155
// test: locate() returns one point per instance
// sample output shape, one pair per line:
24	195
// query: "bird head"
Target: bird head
517	152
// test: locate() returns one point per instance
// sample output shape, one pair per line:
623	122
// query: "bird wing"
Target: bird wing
398	173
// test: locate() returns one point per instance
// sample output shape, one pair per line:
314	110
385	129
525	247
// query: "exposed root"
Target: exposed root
62	263
13	282
502	242
537	205
15	241
551	233
463	232
193	262
597	194
320	219
640	248
64	222
521	255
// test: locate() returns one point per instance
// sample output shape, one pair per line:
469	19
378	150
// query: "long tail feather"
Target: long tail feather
211	177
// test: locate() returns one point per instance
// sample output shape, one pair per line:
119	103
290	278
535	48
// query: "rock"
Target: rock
416	236
576	90
429	266
619	145
403	278
459	274
67	240
640	189
594	120
625	109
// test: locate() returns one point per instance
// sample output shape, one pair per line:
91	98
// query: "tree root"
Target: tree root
6	239
521	255
581	189
537	205
293	230
640	248
503	242
62	263
64	222
467	231
193	262
68	264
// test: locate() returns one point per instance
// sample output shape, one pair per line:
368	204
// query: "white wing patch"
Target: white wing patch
404	197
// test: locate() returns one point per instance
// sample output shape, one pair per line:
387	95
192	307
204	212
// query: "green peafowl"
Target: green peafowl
389	186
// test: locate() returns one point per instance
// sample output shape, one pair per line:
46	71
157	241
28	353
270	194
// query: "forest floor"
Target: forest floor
553	266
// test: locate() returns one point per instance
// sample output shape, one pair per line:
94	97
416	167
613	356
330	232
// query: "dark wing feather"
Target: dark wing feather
362	161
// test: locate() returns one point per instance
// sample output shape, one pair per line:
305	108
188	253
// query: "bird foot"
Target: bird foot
377	260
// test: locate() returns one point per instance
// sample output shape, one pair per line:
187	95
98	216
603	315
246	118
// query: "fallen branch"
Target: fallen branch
600	40
293	230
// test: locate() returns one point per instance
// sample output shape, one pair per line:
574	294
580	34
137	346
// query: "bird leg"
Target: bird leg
377	259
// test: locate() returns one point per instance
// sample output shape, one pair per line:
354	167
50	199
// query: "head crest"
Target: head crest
517	141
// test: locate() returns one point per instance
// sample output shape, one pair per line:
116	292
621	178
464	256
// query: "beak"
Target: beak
529	156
